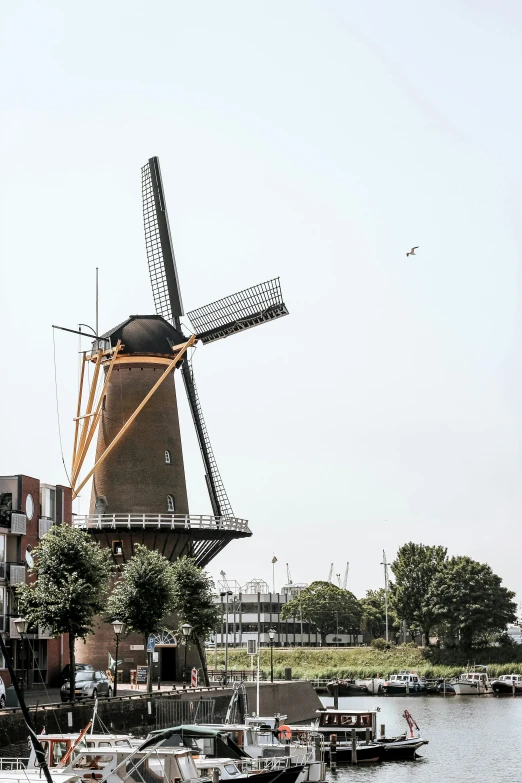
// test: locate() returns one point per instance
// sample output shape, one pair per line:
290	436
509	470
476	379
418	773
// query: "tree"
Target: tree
72	578
194	603
144	594
374	614
469	601
326	606
415	568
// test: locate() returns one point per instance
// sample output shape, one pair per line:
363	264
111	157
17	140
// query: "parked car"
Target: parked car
87	685
2	694
80	667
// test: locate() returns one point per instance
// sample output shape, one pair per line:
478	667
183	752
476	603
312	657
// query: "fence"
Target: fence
170	712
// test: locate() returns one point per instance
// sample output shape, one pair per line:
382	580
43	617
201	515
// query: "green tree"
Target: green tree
328	607
194	603
374	614
469	601
144	594
72	575
414	569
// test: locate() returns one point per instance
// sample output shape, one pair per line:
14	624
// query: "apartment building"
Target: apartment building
28	509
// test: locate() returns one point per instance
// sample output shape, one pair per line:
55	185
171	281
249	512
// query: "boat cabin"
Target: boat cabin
511	678
474	677
411	678
56	746
343	721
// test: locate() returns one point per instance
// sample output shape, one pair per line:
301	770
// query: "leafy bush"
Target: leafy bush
380	644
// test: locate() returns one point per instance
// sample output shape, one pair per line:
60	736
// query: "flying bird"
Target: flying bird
412	251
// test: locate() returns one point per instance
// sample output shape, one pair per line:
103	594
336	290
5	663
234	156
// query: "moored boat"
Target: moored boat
472	683
509	684
353	687
405	683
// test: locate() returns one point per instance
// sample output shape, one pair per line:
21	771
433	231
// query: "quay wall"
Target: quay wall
133	715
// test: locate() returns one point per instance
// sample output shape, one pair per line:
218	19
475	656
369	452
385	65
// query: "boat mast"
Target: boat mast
385	564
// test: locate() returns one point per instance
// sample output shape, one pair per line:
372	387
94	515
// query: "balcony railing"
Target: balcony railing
18	523
44	525
16	573
166	521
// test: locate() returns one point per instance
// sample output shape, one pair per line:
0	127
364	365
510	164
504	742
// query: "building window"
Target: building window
170	503
117	547
167	457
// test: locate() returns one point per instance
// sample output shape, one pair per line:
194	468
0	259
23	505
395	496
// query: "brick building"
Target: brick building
28	509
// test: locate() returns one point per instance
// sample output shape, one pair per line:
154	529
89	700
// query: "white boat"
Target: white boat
472	683
507	683
405	683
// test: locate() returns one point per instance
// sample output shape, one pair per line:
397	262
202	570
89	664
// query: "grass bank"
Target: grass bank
321	663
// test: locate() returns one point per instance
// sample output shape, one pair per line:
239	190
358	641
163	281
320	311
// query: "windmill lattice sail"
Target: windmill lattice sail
240	311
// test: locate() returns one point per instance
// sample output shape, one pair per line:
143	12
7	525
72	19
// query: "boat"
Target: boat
510	684
235	770
355	687
363	723
405	683
472	682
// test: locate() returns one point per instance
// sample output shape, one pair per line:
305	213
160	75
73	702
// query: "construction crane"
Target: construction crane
331	573
288	576
345	580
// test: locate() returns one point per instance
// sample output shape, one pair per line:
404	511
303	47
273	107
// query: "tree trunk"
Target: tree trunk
203	659
72	665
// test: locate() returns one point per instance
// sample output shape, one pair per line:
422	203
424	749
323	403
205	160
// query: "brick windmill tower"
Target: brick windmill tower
139	492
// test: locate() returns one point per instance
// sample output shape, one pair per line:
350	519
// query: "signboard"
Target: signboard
194	678
155	657
142	675
150	644
137	647
128	660
252	646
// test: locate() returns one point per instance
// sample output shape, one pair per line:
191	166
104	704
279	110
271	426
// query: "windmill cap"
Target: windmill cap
145	334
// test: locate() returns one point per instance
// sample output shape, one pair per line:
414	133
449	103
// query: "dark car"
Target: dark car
87	685
80	667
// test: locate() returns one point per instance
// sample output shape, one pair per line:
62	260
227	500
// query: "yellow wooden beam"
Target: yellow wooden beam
92	425
140	407
78	409
90	402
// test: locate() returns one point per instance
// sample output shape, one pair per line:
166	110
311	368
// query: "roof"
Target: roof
145	334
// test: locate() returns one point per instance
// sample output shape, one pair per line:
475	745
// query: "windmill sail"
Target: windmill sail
244	310
168	304
158	242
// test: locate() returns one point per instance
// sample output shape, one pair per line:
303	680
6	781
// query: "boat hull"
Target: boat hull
400	690
346	689
470	689
500	688
396	749
366	754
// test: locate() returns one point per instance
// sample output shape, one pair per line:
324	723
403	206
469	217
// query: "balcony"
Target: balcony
44	525
179	522
16	573
18	523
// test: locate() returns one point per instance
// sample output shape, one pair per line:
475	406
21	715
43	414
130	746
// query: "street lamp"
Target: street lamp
186	630
21	625
226	593
118	628
271	636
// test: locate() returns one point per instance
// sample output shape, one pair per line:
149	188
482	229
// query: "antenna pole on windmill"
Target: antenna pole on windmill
385	564
97	332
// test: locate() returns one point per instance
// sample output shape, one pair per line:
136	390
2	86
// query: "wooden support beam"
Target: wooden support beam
79	407
90	402
94	423
116	439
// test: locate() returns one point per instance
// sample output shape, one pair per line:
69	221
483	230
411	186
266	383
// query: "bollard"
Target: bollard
373	687
368	736
336	696
513	687
333	751
159	683
444	687
383	731
407	688
354	746
215	775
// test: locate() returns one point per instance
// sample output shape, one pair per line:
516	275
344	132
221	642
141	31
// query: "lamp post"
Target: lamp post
21	625
186	630
271	635
226	593
118	628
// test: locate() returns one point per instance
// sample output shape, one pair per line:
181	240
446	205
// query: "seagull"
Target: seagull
412	251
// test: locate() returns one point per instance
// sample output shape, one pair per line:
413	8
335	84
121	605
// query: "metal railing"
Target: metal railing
169	521
9	764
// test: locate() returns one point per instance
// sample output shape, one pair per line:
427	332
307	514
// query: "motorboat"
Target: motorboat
355	687
510	684
472	683
362	724
405	683
228	769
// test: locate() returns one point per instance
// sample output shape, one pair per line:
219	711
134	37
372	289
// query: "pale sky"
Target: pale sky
312	140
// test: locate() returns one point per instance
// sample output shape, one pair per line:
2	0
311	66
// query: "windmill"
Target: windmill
139	484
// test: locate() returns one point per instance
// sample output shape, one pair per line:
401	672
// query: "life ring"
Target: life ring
285	732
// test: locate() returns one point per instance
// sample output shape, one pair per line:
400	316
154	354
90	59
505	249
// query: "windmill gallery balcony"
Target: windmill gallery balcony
174	535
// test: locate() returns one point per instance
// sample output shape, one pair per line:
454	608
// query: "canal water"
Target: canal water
472	739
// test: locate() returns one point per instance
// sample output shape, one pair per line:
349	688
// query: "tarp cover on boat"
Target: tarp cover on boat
180	736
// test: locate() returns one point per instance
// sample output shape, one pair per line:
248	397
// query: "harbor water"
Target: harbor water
471	738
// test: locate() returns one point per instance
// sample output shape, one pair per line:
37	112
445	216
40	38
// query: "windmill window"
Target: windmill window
170	503
117	548
167	456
